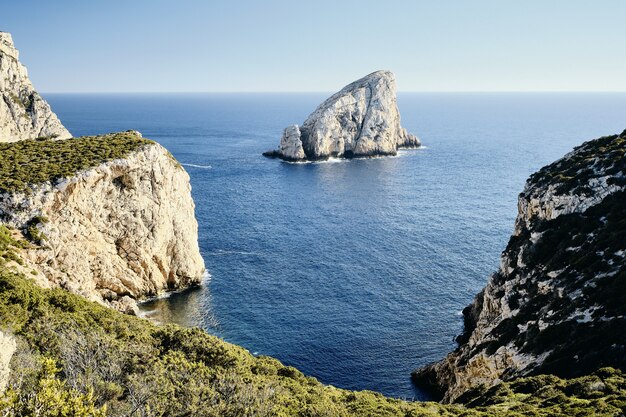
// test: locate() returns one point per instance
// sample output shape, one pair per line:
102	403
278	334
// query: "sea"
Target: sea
353	271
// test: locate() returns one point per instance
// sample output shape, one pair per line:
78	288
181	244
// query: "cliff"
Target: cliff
557	303
109	217
23	113
361	120
7	349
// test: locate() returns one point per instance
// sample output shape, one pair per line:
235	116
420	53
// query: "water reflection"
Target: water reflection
186	308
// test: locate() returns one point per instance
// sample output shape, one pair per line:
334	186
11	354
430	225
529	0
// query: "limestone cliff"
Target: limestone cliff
361	120
115	232
557	304
7	349
23	113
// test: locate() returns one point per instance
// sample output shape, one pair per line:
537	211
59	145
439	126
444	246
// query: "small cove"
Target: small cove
354	272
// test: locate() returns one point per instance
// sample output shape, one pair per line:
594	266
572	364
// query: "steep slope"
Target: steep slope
360	120
558	302
78	358
23	113
109	217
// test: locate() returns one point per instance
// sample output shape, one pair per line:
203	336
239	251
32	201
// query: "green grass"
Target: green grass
28	162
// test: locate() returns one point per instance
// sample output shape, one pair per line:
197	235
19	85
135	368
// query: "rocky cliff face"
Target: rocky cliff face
23	113
114	233
558	302
361	120
7	349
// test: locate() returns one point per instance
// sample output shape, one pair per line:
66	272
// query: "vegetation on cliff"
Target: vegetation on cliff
591	160
35	161
571	303
79	358
557	303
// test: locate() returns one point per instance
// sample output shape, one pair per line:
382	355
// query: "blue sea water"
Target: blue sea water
354	272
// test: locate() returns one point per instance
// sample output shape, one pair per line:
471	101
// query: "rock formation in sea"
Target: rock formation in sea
23	113
557	303
361	120
114	232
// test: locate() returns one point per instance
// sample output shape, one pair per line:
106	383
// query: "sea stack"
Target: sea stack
361	120
23	113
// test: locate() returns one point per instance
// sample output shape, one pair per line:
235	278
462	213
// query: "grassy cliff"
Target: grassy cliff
39	160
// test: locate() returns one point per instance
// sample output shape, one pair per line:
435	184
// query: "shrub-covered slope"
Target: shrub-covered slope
558	303
78	358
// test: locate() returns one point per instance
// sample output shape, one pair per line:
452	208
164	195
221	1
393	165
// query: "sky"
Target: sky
318	45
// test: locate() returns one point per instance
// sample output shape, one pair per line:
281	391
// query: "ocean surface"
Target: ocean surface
354	272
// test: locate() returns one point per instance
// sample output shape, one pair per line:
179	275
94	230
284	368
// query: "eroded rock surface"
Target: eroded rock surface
361	120
558	302
23	113
114	233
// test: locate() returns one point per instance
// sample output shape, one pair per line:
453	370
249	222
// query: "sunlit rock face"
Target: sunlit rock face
115	233
23	113
361	120
7	349
557	304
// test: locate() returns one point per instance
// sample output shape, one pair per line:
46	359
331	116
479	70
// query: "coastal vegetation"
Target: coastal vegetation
36	161
79	358
592	159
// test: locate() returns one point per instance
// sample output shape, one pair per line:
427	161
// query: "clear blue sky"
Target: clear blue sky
319	45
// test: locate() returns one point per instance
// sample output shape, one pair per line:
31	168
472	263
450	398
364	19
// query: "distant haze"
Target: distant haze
287	46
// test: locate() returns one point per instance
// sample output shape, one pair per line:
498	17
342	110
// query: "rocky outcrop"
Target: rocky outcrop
557	304
115	233
7	349
361	120
23	113
291	144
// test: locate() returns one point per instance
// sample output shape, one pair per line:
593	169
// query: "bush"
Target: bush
28	162
78	358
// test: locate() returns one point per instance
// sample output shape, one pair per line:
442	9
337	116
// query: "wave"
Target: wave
219	252
326	161
198	166
401	152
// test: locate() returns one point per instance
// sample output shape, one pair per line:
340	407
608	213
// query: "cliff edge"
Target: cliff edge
557	303
108	217
23	113
361	120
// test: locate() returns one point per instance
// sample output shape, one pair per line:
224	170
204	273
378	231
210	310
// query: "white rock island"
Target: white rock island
361	120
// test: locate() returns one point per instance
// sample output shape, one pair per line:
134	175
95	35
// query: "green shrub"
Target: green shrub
107	362
78	358
28	162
